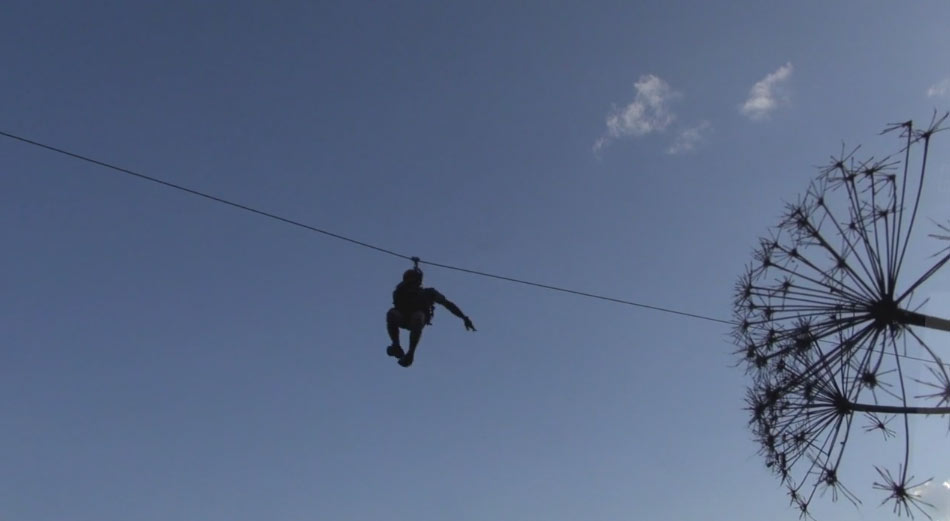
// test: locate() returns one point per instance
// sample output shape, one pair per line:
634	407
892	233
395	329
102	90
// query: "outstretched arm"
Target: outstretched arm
449	305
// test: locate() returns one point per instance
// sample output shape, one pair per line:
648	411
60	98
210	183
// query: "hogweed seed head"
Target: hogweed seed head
823	327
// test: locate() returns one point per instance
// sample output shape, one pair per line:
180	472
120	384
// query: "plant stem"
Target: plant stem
919	319
896	409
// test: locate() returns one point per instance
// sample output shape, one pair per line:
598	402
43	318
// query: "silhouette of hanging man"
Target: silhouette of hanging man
412	309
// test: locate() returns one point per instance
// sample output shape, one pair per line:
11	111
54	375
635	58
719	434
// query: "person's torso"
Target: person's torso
408	299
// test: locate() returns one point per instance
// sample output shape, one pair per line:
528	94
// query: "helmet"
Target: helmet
413	275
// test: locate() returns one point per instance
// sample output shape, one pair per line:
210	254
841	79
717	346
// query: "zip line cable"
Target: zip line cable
196	192
262	213
365	244
583	294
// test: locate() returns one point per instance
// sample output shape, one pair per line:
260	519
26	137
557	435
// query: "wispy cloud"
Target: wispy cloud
648	112
690	138
766	95
937	494
939	89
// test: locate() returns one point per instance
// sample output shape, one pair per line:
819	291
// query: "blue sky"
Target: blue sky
168	358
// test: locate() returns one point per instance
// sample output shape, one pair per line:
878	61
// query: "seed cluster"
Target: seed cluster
824	327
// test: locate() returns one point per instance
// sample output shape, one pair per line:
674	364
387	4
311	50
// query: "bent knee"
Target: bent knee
393	316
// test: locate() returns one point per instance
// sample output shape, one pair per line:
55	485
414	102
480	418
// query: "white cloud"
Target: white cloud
939	89
766	95
938	496
647	113
690	138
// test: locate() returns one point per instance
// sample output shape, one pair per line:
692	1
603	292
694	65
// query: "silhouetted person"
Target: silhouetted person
412	309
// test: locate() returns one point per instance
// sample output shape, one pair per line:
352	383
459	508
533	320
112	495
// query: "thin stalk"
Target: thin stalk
895	409
919	319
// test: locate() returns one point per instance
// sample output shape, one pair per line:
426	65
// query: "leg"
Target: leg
393	320
416	323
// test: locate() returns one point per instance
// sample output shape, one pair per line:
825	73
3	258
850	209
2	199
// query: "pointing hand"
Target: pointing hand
468	324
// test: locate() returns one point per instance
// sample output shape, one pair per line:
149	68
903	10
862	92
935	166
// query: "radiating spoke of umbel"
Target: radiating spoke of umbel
825	326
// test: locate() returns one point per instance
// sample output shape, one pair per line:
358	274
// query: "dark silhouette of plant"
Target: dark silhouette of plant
826	330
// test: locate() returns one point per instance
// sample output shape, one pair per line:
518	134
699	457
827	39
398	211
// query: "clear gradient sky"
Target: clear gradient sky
166	358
